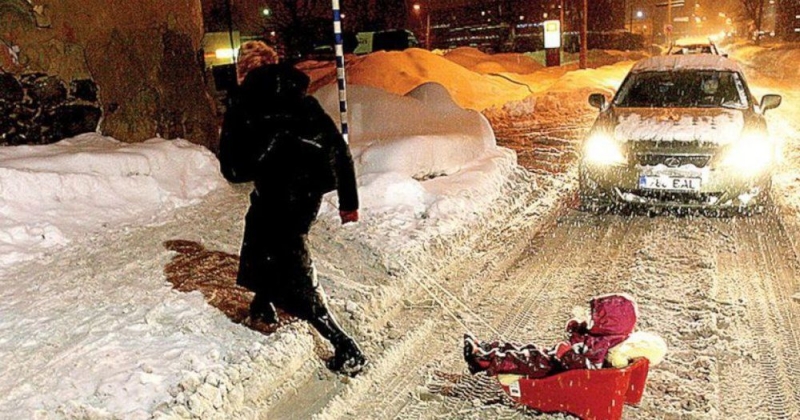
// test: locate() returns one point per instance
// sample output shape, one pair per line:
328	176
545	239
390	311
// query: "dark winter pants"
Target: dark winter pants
276	265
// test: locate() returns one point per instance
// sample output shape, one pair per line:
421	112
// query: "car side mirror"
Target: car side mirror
597	100
770	102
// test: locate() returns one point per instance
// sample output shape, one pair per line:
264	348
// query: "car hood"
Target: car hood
678	124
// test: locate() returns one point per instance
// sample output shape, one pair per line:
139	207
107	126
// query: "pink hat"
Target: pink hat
253	54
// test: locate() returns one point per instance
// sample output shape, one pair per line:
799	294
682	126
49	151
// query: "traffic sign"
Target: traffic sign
552	34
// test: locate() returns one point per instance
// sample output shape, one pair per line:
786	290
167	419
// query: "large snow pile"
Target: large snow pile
558	95
53	194
480	62
776	60
420	156
401	71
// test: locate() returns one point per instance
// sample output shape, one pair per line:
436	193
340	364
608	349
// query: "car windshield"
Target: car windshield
683	89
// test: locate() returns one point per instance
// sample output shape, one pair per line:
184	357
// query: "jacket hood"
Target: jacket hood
274	82
704	125
612	315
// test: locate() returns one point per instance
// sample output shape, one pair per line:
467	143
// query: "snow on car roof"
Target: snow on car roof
686	62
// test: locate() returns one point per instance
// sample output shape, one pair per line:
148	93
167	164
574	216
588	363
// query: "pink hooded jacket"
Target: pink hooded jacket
613	318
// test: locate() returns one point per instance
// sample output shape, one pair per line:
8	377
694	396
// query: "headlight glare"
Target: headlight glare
601	149
751	153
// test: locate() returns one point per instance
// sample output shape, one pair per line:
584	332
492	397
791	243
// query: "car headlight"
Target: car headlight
601	149
752	153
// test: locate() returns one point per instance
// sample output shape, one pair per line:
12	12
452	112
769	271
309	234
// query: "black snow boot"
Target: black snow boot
348	358
261	309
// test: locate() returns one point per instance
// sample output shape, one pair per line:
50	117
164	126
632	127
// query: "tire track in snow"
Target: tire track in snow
463	269
771	313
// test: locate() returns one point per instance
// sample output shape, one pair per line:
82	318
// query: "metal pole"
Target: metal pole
563	31
340	74
428	30
584	34
630	11
229	11
669	22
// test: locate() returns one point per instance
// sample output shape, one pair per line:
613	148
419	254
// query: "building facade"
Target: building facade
517	25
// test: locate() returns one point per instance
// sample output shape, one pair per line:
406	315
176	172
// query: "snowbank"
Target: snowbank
486	81
400	72
52	194
480	62
421	153
776	60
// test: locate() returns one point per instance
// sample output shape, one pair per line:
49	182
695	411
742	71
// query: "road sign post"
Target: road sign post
552	42
582	58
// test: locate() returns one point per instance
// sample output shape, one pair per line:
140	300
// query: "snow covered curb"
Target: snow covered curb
236	390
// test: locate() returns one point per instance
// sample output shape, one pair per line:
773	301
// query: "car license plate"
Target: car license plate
669	183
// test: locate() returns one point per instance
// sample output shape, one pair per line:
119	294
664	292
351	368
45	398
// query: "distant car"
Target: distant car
694	48
681	131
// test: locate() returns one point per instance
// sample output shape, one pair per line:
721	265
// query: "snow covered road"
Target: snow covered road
718	290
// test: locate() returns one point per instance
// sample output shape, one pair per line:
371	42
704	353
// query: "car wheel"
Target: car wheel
765	203
588	199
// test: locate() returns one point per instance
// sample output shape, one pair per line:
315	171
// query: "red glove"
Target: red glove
348	216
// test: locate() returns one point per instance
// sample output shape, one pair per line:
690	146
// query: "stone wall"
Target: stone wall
142	55
36	108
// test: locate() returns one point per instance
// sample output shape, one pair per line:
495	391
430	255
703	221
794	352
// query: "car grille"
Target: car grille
673	161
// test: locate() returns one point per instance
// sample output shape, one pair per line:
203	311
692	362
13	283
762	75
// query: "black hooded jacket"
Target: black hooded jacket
280	138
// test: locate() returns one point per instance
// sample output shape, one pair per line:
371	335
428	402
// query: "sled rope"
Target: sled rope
454	298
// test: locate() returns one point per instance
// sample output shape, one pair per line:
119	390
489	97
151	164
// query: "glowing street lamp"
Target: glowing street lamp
417	9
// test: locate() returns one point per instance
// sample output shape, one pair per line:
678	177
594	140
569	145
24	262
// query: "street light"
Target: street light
417	9
639	15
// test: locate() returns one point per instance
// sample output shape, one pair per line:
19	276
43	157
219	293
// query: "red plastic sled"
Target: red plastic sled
589	394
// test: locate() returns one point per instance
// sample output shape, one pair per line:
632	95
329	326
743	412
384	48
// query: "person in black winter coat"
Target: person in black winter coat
280	138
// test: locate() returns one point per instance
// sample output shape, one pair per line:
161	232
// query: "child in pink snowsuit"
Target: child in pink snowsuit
612	320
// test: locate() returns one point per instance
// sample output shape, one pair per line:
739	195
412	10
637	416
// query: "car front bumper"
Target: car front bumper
718	187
